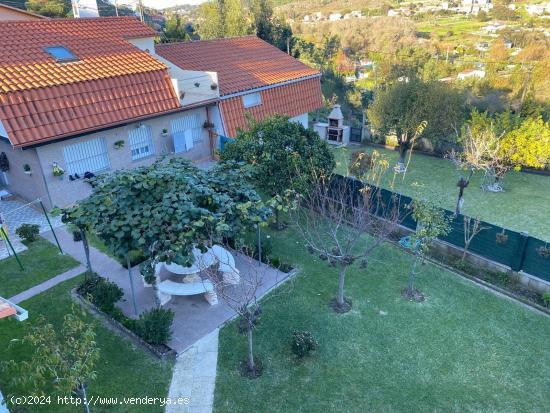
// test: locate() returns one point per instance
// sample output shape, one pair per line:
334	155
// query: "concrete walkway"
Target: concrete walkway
46	285
194	376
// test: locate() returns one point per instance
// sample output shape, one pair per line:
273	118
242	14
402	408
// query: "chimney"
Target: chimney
85	8
336	118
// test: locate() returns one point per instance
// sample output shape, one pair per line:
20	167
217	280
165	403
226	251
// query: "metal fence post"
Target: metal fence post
519	256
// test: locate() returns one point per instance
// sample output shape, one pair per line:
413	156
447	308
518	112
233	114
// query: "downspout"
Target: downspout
46	186
210	134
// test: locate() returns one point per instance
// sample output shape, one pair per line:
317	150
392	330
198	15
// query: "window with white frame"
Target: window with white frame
252	99
186	131
141	142
87	156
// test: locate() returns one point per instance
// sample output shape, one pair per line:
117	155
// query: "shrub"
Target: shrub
361	163
104	294
303	343
546	298
154	325
29	232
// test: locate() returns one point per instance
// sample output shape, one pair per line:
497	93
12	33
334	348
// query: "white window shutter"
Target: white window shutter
179	141
188	139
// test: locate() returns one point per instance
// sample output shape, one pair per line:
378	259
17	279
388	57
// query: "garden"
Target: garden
463	348
523	206
119	369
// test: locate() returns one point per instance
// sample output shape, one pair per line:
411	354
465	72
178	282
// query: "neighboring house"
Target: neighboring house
467	74
91	96
13	13
255	79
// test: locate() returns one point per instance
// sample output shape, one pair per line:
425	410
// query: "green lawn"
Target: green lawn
463	349
136	257
524	206
122	371
41	261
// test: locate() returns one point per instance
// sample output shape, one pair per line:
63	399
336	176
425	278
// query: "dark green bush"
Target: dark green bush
29	232
77	235
104	294
154	325
546	298
303	343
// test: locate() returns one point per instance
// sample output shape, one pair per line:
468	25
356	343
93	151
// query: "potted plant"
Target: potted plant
27	169
58	171
197	84
214	86
119	144
164	132
502	238
544	251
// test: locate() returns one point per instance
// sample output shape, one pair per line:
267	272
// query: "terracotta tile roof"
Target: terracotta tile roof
242	63
291	99
112	80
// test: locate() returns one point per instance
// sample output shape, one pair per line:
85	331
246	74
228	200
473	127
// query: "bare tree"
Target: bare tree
344	220
240	289
472	227
481	152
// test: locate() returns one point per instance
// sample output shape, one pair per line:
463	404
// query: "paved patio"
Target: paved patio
14	212
194	317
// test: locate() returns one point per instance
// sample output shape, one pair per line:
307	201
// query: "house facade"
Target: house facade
80	97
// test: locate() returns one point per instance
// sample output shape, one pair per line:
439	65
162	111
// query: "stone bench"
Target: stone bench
226	265
168	288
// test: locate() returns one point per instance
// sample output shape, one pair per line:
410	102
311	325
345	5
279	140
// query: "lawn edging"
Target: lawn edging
162	352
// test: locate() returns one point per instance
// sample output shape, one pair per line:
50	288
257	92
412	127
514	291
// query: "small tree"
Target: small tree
280	151
472	227
63	358
431	222
334	219
242	297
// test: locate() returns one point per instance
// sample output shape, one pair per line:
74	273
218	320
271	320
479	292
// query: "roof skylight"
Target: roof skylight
61	53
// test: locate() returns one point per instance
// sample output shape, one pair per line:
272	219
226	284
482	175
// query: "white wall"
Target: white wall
195	85
144	43
303	119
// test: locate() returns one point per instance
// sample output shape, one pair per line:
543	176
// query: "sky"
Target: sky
161	4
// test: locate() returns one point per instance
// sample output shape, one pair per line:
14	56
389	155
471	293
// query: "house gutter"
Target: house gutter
115	125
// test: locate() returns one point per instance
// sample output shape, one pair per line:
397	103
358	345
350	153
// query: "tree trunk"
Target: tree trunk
86	251
412	274
251	364
131	282
341	280
84	397
403	147
278	225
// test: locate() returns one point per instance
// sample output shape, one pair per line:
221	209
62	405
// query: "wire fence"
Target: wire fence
519	251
